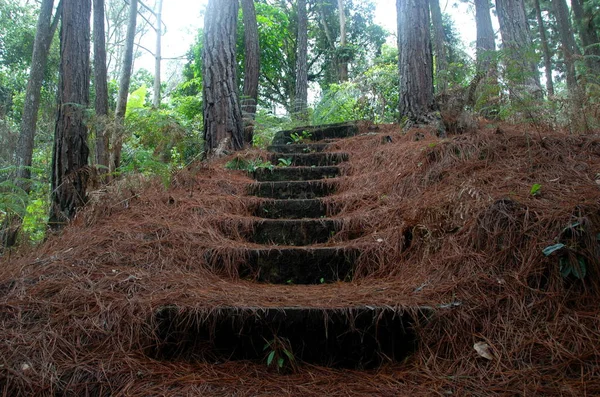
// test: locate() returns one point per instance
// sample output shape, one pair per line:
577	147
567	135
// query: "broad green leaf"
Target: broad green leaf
535	189
581	271
552	248
270	358
280	363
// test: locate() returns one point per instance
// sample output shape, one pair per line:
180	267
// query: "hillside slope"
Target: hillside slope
457	225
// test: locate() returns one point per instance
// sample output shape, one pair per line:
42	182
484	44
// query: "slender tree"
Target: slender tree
157	55
46	27
301	97
569	48
223	124
417	103
343	58
588	32
251	68
439	46
519	53
101	85
117	138
70	154
545	49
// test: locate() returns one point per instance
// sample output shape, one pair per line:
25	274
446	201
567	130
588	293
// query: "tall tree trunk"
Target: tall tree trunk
46	27
588	33
117	136
157	55
569	48
101	85
70	155
417	102
343	58
223	124
439	46
545	49
301	97
486	38
41	47
520	57
485	84
251	68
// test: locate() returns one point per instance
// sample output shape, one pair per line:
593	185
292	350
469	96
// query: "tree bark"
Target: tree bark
417	103
223	124
441	60
569	47
486	38
70	155
588	33
101	85
117	136
520	59
157	56
251	68
343	59
301	97
41	47
545	49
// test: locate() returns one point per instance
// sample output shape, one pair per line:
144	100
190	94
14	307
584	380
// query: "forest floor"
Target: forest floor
460	224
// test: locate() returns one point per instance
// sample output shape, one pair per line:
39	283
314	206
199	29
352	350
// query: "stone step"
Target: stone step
293	209
294	232
292	190
289	265
310	159
298	148
360	337
317	133
295	173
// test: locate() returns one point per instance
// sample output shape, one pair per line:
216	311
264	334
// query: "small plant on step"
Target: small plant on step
283	162
279	355
248	165
300	137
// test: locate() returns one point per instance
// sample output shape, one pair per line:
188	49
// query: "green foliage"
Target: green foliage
536	189
572	250
339	103
299	137
284	162
279	354
251	165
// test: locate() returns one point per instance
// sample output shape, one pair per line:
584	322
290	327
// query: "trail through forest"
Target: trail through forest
481	248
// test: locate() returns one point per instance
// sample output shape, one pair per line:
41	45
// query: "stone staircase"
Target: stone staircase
288	223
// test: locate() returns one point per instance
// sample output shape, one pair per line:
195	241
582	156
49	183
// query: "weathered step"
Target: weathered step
295	173
309	159
292	190
298	148
295	232
351	337
317	133
293	209
288	265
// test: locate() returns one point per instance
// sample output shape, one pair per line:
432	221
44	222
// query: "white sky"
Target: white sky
182	18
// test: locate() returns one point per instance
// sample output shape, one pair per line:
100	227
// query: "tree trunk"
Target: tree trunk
417	102
117	136
567	39
223	124
301	97
101	85
545	49
520	57
441	60
588	33
486	38
157	55
343	58
70	155
251	68
41	47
